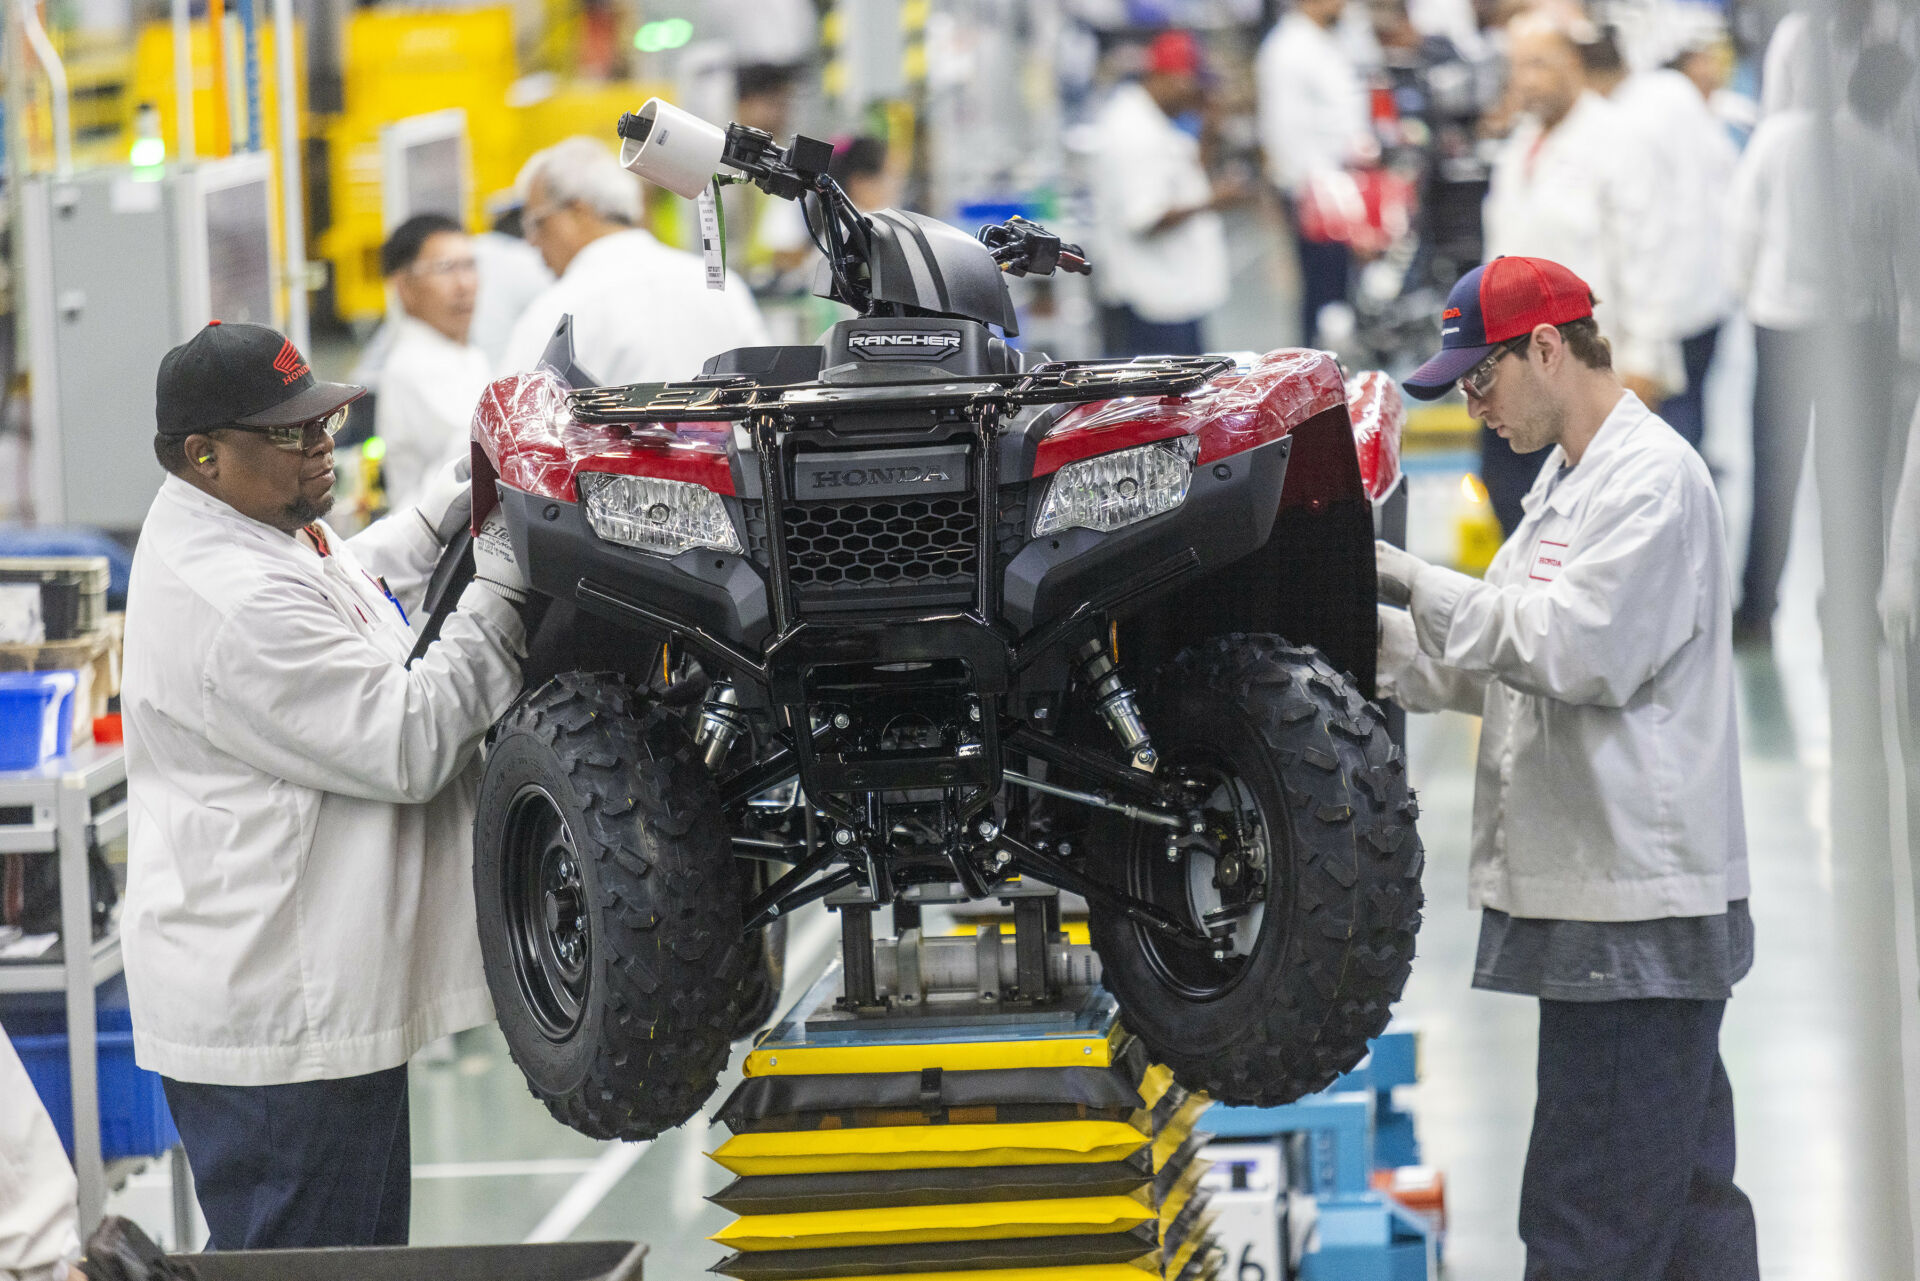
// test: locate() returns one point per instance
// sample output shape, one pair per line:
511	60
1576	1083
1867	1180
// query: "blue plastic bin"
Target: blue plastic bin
36	717
134	1120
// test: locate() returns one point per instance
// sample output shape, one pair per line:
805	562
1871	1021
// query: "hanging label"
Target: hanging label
713	236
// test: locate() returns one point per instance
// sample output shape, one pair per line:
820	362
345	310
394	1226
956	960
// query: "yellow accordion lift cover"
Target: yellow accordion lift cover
1154	1083
915	1147
1182	1193
1077	1272
1175	1132
972	1221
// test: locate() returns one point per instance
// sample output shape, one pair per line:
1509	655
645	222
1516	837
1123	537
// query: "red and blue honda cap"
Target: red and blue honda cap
1494	304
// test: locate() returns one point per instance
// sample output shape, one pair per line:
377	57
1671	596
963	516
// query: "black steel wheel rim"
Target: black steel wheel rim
1237	825
548	928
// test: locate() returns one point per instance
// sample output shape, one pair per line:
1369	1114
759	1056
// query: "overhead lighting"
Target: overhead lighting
658	37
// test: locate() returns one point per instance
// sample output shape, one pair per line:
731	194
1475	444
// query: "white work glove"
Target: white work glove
1395	568
446	503
494	563
1900	602
1398	647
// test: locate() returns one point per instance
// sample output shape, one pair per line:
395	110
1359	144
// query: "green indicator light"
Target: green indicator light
658	37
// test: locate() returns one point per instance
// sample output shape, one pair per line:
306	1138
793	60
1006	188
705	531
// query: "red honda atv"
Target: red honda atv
904	616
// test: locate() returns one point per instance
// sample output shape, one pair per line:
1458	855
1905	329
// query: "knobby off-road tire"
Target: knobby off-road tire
766	973
609	907
1313	976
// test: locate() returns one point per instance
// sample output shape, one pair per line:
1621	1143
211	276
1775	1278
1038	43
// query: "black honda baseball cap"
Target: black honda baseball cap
241	376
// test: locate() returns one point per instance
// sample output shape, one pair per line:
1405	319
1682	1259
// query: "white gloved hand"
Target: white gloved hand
1900	603
1398	647
446	502
1395	568
494	563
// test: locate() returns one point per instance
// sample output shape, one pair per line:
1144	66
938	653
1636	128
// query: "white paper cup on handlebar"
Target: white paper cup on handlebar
680	151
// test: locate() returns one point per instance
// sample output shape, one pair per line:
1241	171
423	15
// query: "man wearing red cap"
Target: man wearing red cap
1162	251
1609	849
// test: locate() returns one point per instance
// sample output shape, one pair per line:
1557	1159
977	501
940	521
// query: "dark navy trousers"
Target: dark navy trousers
1630	1171
283	1167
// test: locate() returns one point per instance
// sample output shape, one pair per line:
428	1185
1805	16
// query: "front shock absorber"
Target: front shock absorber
721	721
1116	705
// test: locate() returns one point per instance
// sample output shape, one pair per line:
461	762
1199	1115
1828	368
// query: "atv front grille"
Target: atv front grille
905	552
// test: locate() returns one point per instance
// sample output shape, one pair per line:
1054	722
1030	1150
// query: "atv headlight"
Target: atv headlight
1115	490
664	516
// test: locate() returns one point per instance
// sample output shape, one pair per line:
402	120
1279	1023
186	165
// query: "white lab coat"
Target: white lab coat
1690	158
424	412
39	1218
1599	651
299	897
641	313
1796	187
1145	167
1583	196
512	275
1313	114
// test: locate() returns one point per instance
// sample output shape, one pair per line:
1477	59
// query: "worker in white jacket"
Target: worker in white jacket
1609	850
1572	184
433	377
299	914
1689	158
641	311
1314	126
1160	244
39	1221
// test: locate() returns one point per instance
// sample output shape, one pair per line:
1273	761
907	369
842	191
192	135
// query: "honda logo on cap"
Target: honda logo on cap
288	363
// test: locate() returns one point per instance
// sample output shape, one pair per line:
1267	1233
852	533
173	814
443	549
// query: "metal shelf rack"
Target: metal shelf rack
64	803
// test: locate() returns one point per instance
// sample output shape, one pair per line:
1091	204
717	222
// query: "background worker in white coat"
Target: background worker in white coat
642	312
1313	126
1609	848
1572	185
39	1220
1689	158
433	377
299	915
1162	251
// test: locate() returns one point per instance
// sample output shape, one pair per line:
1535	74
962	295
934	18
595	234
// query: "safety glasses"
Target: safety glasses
1478	381
297	438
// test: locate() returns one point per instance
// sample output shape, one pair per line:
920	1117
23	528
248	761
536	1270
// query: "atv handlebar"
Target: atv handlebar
1023	247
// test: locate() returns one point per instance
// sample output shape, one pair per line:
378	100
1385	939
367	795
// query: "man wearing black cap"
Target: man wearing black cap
299	909
1609	849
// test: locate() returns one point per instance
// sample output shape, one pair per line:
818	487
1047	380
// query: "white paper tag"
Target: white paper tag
1549	558
713	238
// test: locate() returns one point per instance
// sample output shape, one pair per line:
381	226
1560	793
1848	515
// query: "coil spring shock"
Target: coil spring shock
1115	703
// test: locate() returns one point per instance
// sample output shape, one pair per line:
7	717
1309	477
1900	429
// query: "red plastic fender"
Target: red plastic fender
1379	420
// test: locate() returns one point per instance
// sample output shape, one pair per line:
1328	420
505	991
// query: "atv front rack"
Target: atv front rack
730	398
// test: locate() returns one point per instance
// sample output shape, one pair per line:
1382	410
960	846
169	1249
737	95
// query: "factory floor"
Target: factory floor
1812	1039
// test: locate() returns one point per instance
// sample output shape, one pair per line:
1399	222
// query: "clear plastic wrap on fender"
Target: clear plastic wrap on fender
1379	420
1232	414
532	442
